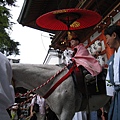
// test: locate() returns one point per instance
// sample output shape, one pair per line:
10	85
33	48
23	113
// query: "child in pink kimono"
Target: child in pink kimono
83	58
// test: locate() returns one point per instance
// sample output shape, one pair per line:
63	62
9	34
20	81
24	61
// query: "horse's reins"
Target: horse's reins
45	83
52	89
27	93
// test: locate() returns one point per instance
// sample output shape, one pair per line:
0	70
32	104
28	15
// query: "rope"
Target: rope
25	94
51	90
22	103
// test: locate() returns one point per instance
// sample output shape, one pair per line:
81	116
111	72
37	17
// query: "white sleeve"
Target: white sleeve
33	101
7	95
109	86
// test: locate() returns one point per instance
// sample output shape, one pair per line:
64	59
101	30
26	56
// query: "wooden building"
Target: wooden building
108	9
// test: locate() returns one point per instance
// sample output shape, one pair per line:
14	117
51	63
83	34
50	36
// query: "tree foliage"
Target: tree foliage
7	45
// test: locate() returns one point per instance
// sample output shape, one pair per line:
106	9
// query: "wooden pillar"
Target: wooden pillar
109	51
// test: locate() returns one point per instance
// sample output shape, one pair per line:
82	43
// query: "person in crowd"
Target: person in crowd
99	114
42	104
7	96
83	58
14	112
112	34
22	117
25	109
9	112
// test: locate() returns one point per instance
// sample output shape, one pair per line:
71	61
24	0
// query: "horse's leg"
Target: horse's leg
71	106
64	101
67	112
64	109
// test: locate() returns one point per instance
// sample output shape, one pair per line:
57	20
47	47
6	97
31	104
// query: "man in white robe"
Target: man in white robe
112	34
6	89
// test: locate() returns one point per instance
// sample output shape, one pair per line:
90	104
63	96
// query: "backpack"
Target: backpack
36	106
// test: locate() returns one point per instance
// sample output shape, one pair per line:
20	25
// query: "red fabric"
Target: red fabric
82	57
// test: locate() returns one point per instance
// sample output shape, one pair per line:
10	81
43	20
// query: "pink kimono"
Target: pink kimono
82	57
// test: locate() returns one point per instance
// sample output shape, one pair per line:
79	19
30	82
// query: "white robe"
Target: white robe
109	87
7	97
116	67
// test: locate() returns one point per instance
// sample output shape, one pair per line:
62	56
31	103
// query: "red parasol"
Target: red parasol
68	19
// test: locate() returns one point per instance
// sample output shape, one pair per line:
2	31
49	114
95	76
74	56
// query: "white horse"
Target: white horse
65	99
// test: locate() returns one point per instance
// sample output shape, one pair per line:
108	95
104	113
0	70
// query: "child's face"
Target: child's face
74	43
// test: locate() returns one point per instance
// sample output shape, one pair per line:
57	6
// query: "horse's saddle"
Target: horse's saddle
95	86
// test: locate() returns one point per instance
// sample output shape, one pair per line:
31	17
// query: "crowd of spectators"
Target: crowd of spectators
23	111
